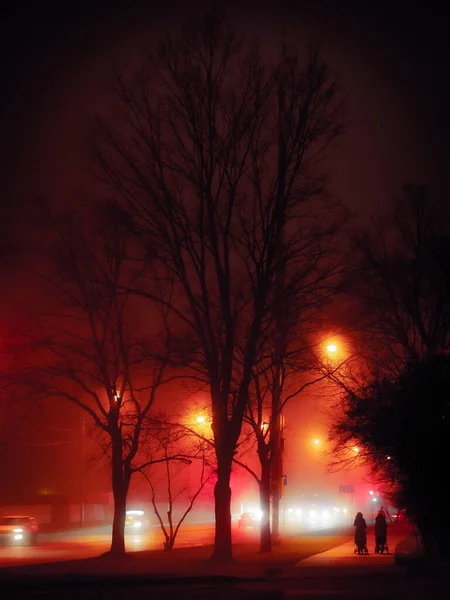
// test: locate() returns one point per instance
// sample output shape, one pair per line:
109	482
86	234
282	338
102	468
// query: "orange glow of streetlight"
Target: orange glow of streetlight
355	449
200	419
316	442
331	348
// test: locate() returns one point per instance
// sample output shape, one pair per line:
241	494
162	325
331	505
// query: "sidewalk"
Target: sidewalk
341	561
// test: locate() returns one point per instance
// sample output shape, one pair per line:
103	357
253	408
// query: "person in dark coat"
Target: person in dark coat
380	532
360	532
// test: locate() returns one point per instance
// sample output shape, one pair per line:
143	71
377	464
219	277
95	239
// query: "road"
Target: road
76	545
72	545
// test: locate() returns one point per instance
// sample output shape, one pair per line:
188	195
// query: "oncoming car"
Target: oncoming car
135	521
248	519
18	531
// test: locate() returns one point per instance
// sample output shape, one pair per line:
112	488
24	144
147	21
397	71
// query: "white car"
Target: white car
18	530
136	521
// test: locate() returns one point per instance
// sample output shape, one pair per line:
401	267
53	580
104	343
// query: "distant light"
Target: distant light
135	512
371	493
345	511
389	458
317	442
331	348
355	449
374	499
18	536
200	419
336	509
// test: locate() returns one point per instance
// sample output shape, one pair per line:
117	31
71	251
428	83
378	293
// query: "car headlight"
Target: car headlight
18	530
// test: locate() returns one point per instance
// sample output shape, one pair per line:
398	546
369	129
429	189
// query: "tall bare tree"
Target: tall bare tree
271	390
88	346
211	189
403	285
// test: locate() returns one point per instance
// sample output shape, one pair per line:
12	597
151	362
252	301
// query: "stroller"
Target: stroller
381	545
361	548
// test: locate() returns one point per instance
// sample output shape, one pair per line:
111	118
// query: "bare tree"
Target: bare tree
178	449
402	285
88	345
401	329
302	367
220	197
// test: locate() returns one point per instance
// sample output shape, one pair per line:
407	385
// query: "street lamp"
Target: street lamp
332	348
200	419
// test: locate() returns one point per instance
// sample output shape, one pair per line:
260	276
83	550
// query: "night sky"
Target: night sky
391	59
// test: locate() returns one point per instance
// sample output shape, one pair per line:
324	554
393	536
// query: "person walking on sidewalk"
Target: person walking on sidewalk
360	533
380	532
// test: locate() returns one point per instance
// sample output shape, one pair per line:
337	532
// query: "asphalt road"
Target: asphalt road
76	545
72	545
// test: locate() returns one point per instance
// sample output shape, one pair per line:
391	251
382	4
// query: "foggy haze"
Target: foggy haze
390	128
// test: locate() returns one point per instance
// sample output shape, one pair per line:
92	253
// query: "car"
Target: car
136	521
18	530
400	517
248	519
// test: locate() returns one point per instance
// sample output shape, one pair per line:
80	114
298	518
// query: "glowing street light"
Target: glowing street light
371	493
200	419
332	348
316	442
355	449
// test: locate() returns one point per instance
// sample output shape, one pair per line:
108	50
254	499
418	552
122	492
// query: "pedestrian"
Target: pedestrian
360	534
380	532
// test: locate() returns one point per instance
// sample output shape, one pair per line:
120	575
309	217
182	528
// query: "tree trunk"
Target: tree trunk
222	499
265	544
276	467
120	484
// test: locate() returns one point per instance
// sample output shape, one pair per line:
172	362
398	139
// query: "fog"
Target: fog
55	457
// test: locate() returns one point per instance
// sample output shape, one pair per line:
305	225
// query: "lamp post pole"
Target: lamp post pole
83	455
280	339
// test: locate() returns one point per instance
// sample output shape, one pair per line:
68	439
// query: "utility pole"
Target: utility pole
83	455
277	446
